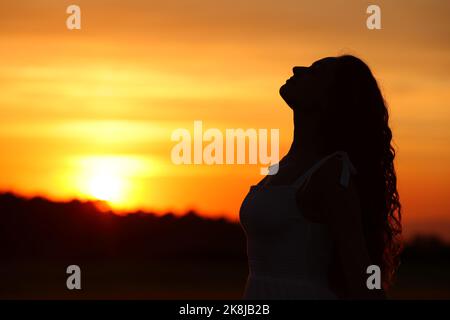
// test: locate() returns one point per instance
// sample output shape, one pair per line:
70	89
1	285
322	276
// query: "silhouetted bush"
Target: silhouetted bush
41	229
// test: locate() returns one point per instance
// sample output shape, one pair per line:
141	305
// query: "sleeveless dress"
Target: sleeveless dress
288	256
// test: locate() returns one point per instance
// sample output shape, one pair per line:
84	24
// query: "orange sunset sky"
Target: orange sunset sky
89	113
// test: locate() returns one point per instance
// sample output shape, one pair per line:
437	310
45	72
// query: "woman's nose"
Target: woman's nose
299	70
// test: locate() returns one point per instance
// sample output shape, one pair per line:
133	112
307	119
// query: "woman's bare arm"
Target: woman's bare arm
340	207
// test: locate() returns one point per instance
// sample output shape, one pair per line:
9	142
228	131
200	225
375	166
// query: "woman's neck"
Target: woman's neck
303	144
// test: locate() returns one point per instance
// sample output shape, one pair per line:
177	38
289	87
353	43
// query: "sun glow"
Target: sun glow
106	186
111	178
120	180
106	178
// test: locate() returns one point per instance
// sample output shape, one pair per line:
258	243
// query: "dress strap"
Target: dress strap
347	170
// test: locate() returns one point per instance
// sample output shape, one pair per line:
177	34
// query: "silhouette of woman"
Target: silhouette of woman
315	227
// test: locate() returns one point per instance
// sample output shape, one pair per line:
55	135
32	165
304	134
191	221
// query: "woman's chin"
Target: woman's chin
283	91
284	94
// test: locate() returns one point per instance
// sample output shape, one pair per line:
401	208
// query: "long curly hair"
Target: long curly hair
356	120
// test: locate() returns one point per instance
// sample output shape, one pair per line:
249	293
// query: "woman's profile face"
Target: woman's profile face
307	87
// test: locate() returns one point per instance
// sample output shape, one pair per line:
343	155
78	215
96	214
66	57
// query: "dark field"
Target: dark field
183	280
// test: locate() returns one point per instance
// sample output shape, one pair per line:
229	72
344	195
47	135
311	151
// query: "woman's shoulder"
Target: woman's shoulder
329	178
326	190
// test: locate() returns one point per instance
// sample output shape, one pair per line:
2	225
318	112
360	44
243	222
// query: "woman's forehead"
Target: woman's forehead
324	61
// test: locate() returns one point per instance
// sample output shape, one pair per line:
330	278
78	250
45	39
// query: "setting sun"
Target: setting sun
106	186
105	178
108	177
